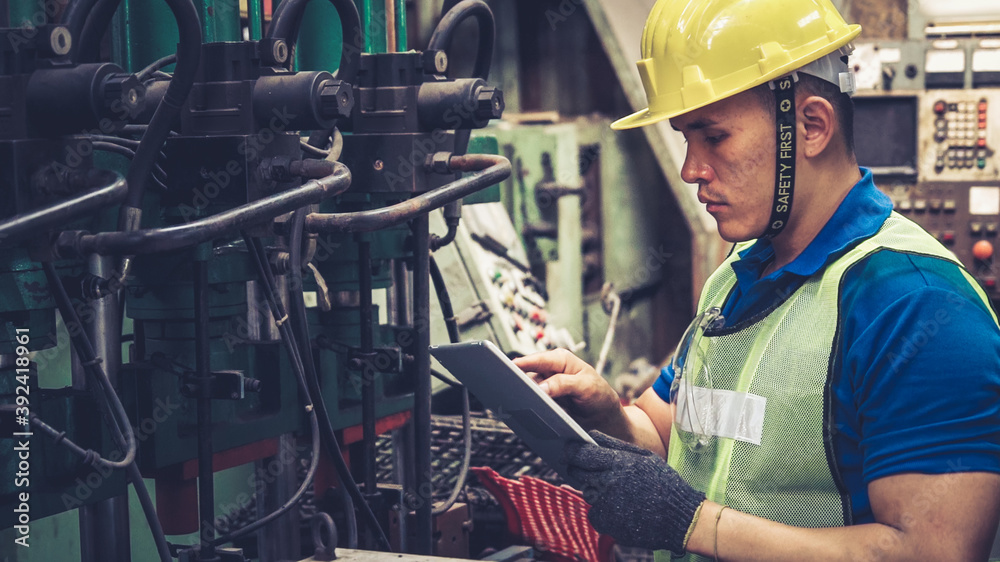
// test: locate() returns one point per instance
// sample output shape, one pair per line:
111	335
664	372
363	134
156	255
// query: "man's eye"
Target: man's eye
715	139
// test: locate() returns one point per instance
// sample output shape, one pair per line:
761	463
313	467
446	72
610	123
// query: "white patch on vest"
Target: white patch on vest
722	413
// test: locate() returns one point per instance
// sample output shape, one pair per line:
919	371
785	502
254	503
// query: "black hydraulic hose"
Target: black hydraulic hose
156	65
121	149
489	169
203	230
93	19
438	242
148	510
258	256
445	32
188	59
300	326
121	428
444	300
287	19
58	214
74	18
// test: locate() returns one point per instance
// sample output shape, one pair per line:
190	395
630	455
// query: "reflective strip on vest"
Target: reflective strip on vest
784	357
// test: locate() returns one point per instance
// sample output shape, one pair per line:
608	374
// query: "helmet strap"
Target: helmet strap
784	172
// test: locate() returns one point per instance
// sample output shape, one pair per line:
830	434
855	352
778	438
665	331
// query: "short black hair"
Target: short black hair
809	85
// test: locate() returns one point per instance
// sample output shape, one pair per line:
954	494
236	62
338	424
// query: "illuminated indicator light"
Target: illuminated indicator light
982	124
981	143
981	163
983	250
940	107
990	282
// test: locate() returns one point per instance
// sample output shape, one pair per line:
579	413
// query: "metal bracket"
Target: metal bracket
550	190
381	359
223	385
475	314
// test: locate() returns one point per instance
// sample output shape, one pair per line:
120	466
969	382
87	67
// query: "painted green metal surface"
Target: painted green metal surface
320	38
401	36
374	24
220	20
484	143
255	19
26	13
142	32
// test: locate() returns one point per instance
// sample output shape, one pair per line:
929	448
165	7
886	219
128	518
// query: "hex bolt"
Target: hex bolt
335	99
489	104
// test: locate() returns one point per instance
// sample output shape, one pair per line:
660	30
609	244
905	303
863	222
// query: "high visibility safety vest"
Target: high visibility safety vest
770	454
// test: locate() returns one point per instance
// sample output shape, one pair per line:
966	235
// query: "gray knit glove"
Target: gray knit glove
634	495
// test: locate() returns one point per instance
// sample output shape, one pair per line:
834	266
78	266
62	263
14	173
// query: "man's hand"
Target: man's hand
635	497
588	398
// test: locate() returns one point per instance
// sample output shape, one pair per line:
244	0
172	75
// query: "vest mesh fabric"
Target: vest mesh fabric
785	357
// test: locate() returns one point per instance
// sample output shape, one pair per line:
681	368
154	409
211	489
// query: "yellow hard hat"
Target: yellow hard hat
696	52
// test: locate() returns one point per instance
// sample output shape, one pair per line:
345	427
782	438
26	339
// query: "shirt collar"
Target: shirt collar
859	216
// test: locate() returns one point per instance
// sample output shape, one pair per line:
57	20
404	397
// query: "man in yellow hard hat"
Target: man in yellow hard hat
838	394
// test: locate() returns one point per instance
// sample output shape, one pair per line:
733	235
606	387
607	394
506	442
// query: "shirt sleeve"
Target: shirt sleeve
923	356
661	386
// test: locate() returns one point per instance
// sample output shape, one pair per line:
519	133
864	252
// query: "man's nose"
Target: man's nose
695	170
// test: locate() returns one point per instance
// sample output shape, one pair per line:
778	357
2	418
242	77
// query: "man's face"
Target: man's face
730	155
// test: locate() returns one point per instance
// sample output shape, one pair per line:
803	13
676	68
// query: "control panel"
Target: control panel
493	293
963	216
934	153
959	133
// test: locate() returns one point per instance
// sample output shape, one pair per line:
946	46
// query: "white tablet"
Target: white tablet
515	399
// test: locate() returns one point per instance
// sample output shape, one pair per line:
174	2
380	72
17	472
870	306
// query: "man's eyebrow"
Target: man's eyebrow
697	124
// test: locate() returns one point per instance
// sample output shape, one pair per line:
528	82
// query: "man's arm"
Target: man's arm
919	517
652	418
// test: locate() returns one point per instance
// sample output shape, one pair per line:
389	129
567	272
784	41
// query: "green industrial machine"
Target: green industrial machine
252	312
240	311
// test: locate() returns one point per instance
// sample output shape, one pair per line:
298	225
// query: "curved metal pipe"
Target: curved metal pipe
196	232
489	170
445	32
288	17
87	23
60	213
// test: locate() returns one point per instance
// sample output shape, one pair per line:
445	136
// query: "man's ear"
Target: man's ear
817	125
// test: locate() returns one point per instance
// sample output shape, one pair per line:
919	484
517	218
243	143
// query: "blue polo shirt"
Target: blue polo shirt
916	375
